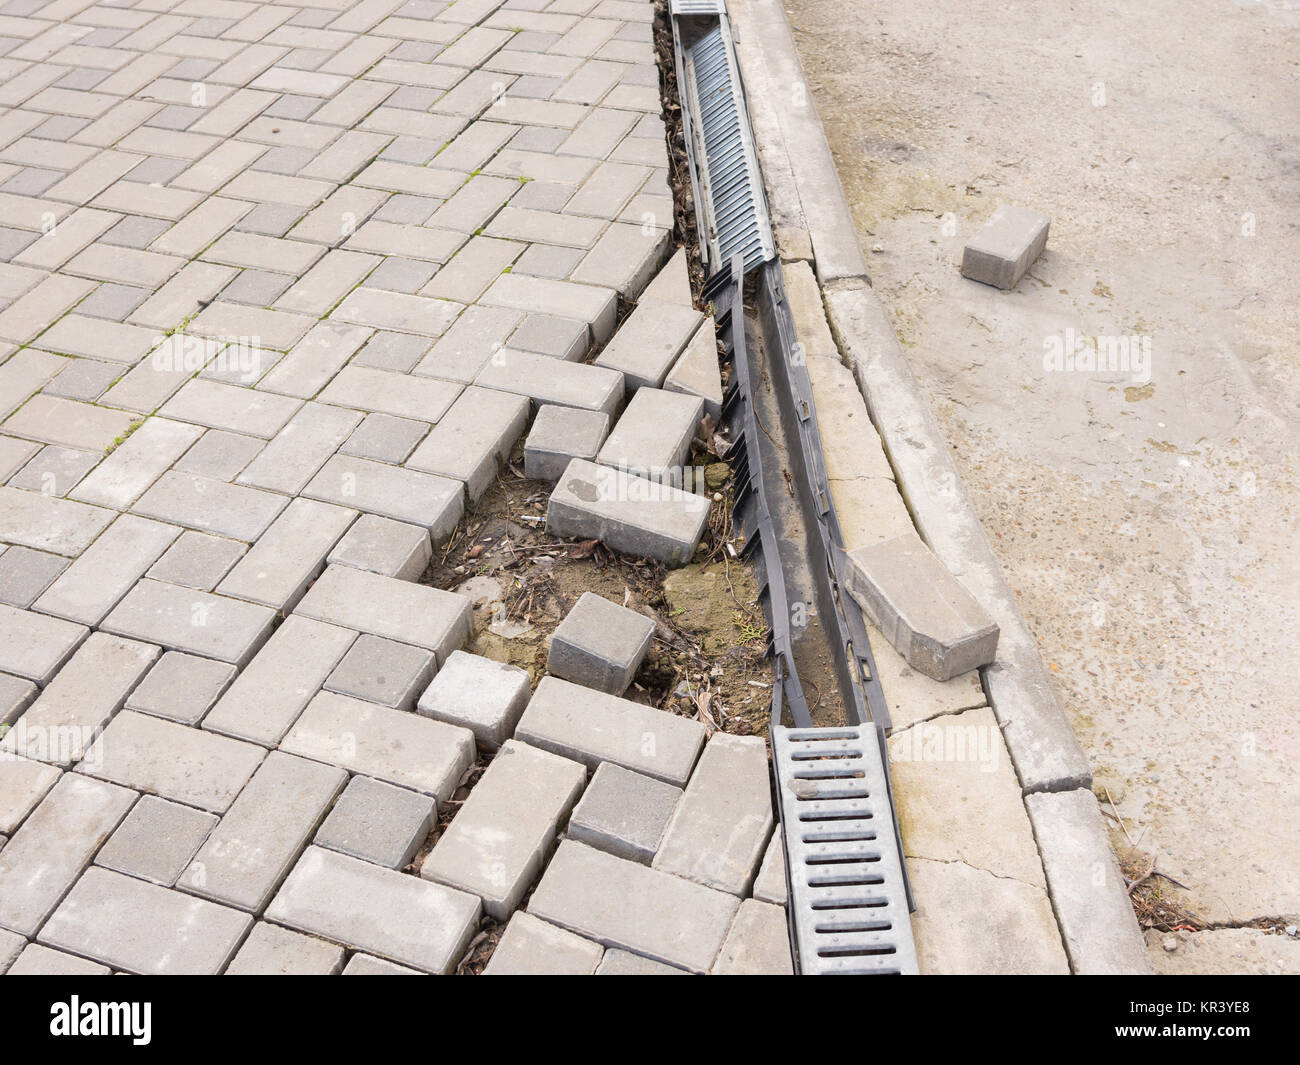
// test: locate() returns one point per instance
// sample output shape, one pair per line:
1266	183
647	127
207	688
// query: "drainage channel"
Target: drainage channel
848	894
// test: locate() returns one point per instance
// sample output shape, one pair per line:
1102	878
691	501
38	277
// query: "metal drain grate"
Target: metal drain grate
848	902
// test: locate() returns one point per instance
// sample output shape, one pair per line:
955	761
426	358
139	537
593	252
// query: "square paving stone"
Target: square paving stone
382	671
271	950
156	841
385	438
181	687
220	455
392	351
25	573
136	231
113	302
378	823
381	545
484	696
197	560
600	644
624	813
560	434
55	471
84	379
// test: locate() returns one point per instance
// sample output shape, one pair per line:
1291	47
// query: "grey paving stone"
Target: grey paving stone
25	574
720	828
922	609
548	260
383	546
385	438
181	687
11	945
403	918
197	560
1005	247
378	823
531	947
248	411
649	342
392	351
624	813
547	380
382	671
114	302
36	960
161	757
156	840
85	379
136	231
35	646
560	434
653	436
758	943
16	694
600	644
185	619
499	840
137	463
630	514
315	359
473	438
625	963
672	284
23	783
592	727
477	693
265	830
770	885
696	372
544	334
55	843
382	606
401	395
300	449
220	455
49	524
209	505
55	471
365	965
424	499
271	950
469	343
624	904
625	257
142	928
590	303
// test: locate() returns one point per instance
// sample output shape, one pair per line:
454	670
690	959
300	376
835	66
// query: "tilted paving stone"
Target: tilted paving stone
560	434
45	523
156	840
532	947
271	691
250	852
298	450
36	960
383	546
181	687
482	695
23	783
378	823
35	646
592	727
593	304
696	373
197	560
672	284
403	918
625	963
142	928
624	904
271	950
770	885
649	342
424	499
382	671
720	828
758	943
54	845
210	505
499	840
652	437
625	257
392	745
599	644
184	619
624	813
547	380
473	438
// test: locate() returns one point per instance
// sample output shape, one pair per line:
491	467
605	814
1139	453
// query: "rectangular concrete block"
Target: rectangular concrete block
624	904
591	303
403	918
209	505
770	884
624	813
378	823
156	840
546	380
758	943
36	960
271	950
600	644
922	609
1005	247
531	947
482	695
46	523
473	438
592	727
560	434
501	837
630	514
652	438
625	963
434	503
649	342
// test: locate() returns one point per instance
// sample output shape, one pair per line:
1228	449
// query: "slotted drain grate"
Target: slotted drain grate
848	900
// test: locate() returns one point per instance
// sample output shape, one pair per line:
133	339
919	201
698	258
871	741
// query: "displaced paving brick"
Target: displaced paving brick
250	852
145	929
53	846
600	644
409	920
392	745
35	646
625	963
36	960
696	372
624	813
156	840
1005	247
23	784
672	284
547	380
197	560
625	257
183	619
378	823
922	609
593	304
473	438
649	342
592	727
382	671
624	904
630	514
770	885
758	943
273	951
653	436
436	503
499	840
560	434
720	829
383	546
531	947
479	694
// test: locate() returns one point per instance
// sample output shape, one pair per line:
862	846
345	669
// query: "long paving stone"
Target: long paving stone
136	463
531	947
298	450
16	694
249	853
593	304
408	920
436	503
35	646
546	380
54	845
496	845
36	960
473	437
45	523
145	929
221	406
54	420
592	727
653	436
424	399
648	343
624	904
378	741
210	505
182	619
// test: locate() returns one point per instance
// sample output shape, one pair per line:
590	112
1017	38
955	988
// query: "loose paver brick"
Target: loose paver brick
600	644
770	885
624	904
424	499
758	943
271	950
624	813
479	694
378	823
1005	247
382	671
403	918
647	345
381	545
696	373
156	840
593	304
546	380
532	947
653	436
560	434
626	256
672	284
499	840
473	438
184	619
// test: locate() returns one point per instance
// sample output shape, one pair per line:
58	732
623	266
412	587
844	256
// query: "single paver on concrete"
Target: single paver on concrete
378	823
758	943
1005	246
648	343
653	436
156	840
403	918
381	545
23	783
625	963
181	687
36	960
630	514
624	813
560	434
624	904
183	619
599	644
479	694
720	829
271	950
532	947
592	727
499	840
142	928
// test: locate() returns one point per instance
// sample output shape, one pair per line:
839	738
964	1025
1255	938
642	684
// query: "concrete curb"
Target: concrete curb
812	221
